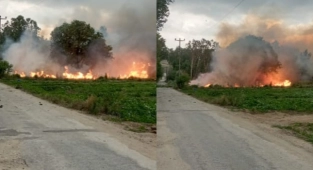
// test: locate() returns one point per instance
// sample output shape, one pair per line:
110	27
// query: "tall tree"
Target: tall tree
78	43
15	28
161	47
201	55
162	12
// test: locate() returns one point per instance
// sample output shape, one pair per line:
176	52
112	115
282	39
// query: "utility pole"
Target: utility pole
179	40
2	19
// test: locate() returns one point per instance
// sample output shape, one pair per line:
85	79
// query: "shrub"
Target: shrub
91	104
5	68
171	75
182	80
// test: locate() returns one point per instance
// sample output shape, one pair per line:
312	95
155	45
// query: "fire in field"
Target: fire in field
118	44
260	51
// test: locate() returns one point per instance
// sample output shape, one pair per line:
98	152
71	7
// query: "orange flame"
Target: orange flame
138	70
77	75
42	74
286	83
207	85
22	74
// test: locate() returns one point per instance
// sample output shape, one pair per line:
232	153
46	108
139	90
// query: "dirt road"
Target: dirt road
200	136
37	135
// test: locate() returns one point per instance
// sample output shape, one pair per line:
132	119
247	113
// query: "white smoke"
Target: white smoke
29	54
241	63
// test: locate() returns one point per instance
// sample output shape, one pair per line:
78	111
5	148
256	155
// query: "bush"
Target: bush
159	70
182	80
16	76
91	104
171	75
5	68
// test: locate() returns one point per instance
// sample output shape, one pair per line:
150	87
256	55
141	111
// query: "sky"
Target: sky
126	20
197	19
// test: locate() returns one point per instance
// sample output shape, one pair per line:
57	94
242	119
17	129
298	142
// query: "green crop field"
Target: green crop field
258	99
128	100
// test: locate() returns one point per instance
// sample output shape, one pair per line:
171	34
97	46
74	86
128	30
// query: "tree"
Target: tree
161	47
161	54
15	29
184	54
79	43
159	70
182	80
5	68
201	55
162	12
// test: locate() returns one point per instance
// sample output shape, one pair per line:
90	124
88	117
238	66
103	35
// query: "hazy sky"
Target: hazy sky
196	19
111	13
131	29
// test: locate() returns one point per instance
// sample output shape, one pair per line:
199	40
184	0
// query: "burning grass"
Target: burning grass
295	99
128	100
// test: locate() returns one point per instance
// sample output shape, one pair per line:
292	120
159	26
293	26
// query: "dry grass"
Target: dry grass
91	104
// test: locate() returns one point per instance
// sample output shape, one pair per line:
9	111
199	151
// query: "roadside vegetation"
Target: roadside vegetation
5	68
258	99
302	130
125	100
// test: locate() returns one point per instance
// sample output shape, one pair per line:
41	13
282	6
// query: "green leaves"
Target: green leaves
162	12
79	42
5	68
16	27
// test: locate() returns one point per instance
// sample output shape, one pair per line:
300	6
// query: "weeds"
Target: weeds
302	130
91	104
257	99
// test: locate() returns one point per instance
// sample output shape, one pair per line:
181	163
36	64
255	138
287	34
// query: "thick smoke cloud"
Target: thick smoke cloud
30	54
270	28
241	57
134	37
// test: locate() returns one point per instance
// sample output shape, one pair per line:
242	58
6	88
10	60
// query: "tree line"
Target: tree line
195	57
75	43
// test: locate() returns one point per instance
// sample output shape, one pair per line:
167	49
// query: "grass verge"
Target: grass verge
128	100
302	130
257	99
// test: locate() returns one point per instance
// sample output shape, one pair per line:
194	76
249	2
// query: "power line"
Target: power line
229	13
232	10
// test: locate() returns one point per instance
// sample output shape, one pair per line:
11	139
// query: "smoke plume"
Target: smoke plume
260	50
30	54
